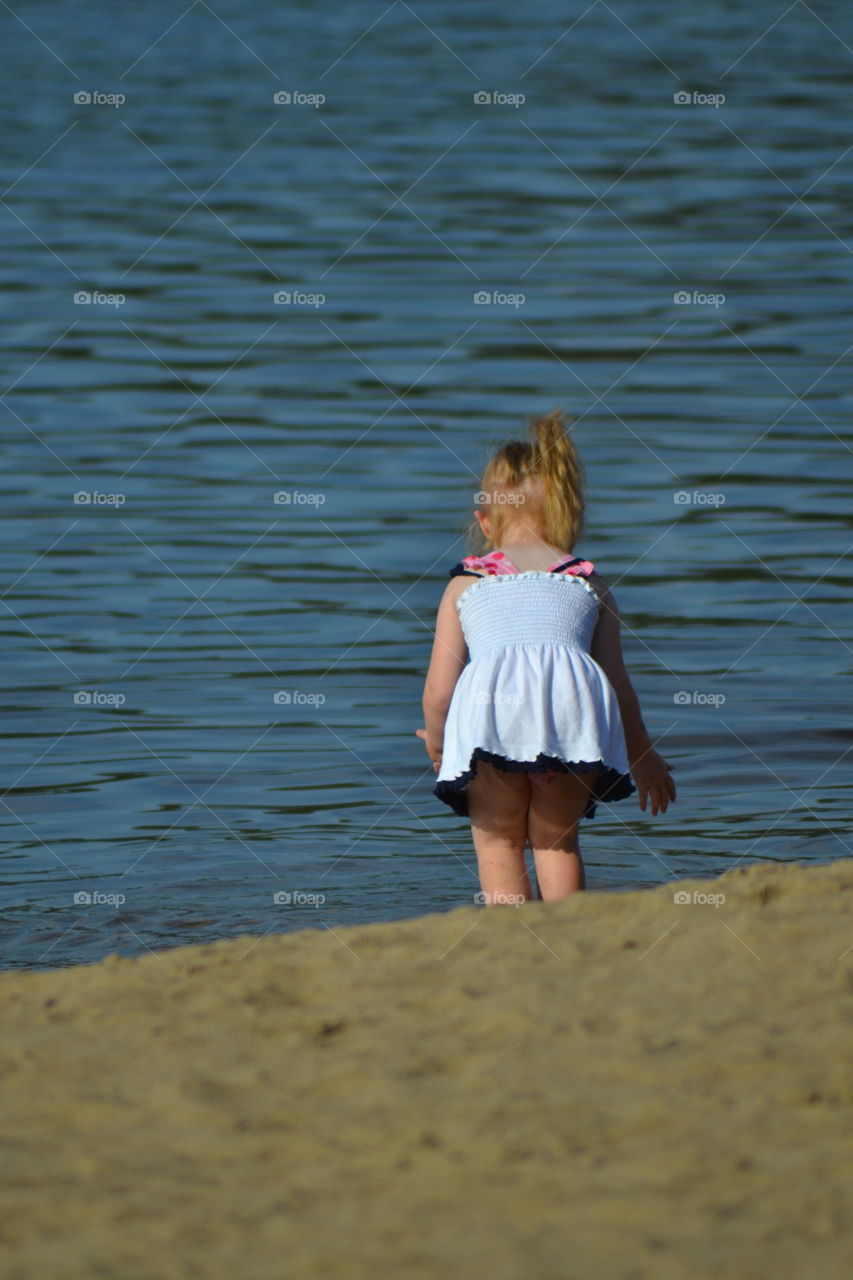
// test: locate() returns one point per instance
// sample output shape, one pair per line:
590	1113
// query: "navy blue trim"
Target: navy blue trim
610	785
566	564
459	569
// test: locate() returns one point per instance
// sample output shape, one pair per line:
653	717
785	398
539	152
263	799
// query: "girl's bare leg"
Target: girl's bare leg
553	818
497	806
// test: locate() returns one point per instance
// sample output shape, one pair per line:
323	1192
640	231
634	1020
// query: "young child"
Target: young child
530	715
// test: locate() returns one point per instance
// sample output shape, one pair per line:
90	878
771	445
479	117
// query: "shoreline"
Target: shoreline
616	1084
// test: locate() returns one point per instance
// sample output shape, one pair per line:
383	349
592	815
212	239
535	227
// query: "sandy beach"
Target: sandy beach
613	1085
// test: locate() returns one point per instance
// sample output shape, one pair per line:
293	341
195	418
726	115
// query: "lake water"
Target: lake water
146	632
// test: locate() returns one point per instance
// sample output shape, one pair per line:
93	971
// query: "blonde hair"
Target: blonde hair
538	485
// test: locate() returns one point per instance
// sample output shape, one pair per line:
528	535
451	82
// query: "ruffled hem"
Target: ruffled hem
610	784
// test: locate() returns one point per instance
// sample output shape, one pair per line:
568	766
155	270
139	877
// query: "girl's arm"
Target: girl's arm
648	769
449	655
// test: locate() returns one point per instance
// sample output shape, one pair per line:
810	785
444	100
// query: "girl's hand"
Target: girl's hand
433	752
651	774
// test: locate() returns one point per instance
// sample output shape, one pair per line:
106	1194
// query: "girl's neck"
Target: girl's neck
531	553
531	546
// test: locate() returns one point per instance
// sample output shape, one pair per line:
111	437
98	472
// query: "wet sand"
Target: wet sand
615	1085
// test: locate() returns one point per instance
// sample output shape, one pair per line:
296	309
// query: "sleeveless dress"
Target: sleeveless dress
531	699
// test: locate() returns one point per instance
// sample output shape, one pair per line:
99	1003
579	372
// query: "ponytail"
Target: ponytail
556	460
538	485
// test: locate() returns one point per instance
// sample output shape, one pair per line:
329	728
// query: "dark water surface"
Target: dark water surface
181	601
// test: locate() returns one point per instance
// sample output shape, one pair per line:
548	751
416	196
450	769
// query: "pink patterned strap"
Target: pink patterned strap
494	562
576	567
498	563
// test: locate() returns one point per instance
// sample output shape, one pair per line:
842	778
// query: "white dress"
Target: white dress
531	698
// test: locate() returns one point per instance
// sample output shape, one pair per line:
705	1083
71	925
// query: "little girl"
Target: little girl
530	714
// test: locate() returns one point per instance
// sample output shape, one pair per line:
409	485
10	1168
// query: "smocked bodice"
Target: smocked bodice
528	608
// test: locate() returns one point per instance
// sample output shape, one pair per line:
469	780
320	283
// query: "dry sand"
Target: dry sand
614	1085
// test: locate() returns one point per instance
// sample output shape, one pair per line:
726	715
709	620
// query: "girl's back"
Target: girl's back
557	605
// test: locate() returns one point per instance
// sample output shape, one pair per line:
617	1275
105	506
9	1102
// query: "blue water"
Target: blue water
184	598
